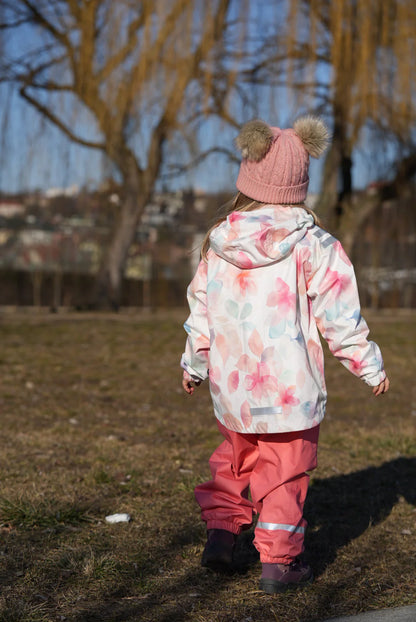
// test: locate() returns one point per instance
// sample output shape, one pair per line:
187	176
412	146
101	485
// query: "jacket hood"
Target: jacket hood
261	237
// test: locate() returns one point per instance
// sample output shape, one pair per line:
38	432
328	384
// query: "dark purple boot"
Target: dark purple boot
277	578
218	551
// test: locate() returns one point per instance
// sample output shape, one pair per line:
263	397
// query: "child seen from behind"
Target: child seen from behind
269	279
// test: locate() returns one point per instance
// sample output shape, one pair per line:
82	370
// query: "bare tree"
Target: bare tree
371	47
148	71
352	61
143	70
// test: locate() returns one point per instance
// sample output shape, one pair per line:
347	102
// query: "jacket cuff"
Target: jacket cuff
374	380
191	372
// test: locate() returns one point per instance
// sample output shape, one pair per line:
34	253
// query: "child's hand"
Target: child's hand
189	384
383	387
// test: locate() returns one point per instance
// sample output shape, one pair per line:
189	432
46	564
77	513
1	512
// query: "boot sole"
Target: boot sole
217	565
270	586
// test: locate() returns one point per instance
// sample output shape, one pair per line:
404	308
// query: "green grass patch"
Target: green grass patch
24	513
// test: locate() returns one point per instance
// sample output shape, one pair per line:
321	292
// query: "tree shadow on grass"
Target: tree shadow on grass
339	509
166	597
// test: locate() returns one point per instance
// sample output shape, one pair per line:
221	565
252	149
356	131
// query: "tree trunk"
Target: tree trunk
328	200
37	278
355	212
335	201
138	186
110	276
57	291
346	177
339	211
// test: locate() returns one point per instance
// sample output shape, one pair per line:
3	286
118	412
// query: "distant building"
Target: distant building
11	209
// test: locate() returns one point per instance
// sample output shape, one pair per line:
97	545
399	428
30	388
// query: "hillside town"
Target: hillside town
51	245
53	234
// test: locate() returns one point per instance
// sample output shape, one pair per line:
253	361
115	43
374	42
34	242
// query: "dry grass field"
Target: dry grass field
93	422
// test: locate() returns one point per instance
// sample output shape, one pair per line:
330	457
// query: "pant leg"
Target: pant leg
224	500
279	485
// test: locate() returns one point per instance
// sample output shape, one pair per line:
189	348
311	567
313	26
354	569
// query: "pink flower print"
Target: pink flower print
269	355
286	398
214	379
262	427
235	217
234	339
282	298
356	364
303	269
245	414
334	283
268	241
215	374
261	383
302	259
245	363
244	260
280	234
225	403
202	343
316	355
273	360
232	235
222	347
232	423
319	322
244	284
300	378
213	291
255	343
341	253
233	381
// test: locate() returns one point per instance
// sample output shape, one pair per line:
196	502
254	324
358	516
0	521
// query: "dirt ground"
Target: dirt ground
94	422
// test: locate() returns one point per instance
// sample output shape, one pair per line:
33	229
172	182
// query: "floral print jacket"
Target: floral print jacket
272	279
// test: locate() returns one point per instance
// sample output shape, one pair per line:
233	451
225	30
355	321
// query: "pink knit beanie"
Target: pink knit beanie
276	162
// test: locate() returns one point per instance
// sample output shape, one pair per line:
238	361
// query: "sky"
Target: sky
36	155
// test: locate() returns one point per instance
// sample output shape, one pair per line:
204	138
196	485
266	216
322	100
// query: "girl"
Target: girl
270	277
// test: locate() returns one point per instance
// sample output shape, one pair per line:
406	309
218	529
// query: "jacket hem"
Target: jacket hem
279	427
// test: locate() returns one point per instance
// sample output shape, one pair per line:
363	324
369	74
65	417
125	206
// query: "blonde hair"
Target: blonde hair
241	203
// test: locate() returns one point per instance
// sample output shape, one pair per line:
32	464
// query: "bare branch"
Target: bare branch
11	25
46	112
146	61
116	60
48	85
175	98
75	9
28	78
180	169
41	19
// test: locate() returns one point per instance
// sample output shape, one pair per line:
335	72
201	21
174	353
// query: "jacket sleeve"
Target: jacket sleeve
195	359
333	292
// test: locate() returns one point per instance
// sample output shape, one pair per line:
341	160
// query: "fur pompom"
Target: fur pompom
254	140
313	133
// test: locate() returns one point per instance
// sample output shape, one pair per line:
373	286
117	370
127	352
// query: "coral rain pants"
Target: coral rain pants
274	467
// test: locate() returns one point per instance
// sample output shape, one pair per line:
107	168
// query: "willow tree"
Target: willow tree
371	51
143	71
147	71
354	62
